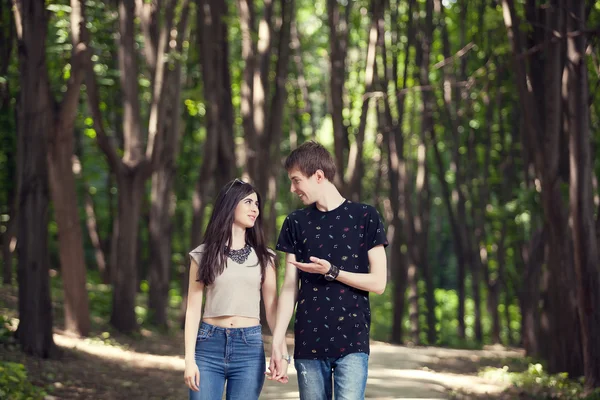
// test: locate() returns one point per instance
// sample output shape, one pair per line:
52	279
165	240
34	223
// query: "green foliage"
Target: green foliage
14	384
6	331
539	383
446	314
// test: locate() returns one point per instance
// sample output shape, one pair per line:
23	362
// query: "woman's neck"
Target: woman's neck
238	237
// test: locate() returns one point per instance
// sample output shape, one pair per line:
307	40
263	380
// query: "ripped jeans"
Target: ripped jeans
348	374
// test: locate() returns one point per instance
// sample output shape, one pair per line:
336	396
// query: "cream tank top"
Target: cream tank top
236	292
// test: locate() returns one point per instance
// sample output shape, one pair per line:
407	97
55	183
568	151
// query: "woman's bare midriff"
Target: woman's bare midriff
232	321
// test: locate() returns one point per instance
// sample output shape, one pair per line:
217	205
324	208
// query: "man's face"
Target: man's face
307	188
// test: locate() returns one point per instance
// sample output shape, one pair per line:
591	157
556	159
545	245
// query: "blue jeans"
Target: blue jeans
349	374
232	355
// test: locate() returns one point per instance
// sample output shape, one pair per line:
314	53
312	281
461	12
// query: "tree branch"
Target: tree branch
459	54
156	107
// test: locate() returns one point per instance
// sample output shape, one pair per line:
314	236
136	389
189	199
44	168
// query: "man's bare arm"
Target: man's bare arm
375	281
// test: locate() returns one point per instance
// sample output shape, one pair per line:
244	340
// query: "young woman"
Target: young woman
232	266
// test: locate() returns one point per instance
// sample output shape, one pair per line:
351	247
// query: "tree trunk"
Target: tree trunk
581	195
35	117
295	43
131	190
8	228
162	198
273	132
541	104
338	44
533	258
92	228
218	161
397	174
62	188
246	10
258	141
70	243
459	233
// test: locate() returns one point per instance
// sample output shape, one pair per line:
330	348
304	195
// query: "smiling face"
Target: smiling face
246	212
306	188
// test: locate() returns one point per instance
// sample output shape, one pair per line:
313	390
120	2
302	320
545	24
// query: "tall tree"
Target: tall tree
396	164
35	116
137	164
541	105
61	141
218	160
339	30
162	200
8	141
581	195
263	106
456	210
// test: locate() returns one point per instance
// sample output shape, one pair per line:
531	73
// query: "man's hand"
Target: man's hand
277	368
317	266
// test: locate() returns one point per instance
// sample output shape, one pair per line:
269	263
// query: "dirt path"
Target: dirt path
152	368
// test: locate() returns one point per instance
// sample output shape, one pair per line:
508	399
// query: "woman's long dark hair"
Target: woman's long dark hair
217	237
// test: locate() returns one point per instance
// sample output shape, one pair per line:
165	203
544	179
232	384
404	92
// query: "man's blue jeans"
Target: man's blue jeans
348	373
232	355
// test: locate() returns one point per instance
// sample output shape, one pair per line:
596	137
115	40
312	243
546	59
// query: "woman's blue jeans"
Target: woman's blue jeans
234	356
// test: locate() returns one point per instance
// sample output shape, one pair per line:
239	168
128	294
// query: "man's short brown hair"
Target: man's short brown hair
309	157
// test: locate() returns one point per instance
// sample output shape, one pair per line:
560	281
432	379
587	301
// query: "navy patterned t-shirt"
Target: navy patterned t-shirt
332	318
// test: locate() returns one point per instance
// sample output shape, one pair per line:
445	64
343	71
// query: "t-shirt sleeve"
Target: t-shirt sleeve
375	230
196	254
287	240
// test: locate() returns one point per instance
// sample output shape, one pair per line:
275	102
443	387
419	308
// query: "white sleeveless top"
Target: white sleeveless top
236	292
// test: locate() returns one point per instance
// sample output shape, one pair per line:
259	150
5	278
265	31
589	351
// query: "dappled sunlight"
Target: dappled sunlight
109	352
395	372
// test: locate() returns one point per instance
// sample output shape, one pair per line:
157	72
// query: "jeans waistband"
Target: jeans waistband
231	331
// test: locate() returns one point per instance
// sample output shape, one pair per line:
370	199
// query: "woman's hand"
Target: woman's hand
192	376
277	368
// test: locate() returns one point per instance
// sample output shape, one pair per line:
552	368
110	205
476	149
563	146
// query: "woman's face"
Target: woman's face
246	211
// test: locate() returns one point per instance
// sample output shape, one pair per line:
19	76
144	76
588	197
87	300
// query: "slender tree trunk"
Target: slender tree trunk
70	243
248	31
581	195
35	118
163	199
8	234
218	162
301	78
458	230
63	190
131	190
397	174
355	165
260	99
92	228
533	258
338	43
275	123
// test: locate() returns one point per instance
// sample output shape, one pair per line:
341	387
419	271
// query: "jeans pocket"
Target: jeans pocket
253	339
203	335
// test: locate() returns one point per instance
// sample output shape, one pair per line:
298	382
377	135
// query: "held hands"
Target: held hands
277	368
192	376
317	266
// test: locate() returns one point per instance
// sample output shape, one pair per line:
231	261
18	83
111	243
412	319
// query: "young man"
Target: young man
334	257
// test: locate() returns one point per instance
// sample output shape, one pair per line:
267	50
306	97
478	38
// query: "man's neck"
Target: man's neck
330	200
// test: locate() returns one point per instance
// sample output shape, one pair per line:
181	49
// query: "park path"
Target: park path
395	372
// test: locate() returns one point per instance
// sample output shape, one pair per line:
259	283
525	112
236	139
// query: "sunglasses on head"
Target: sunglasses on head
236	180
